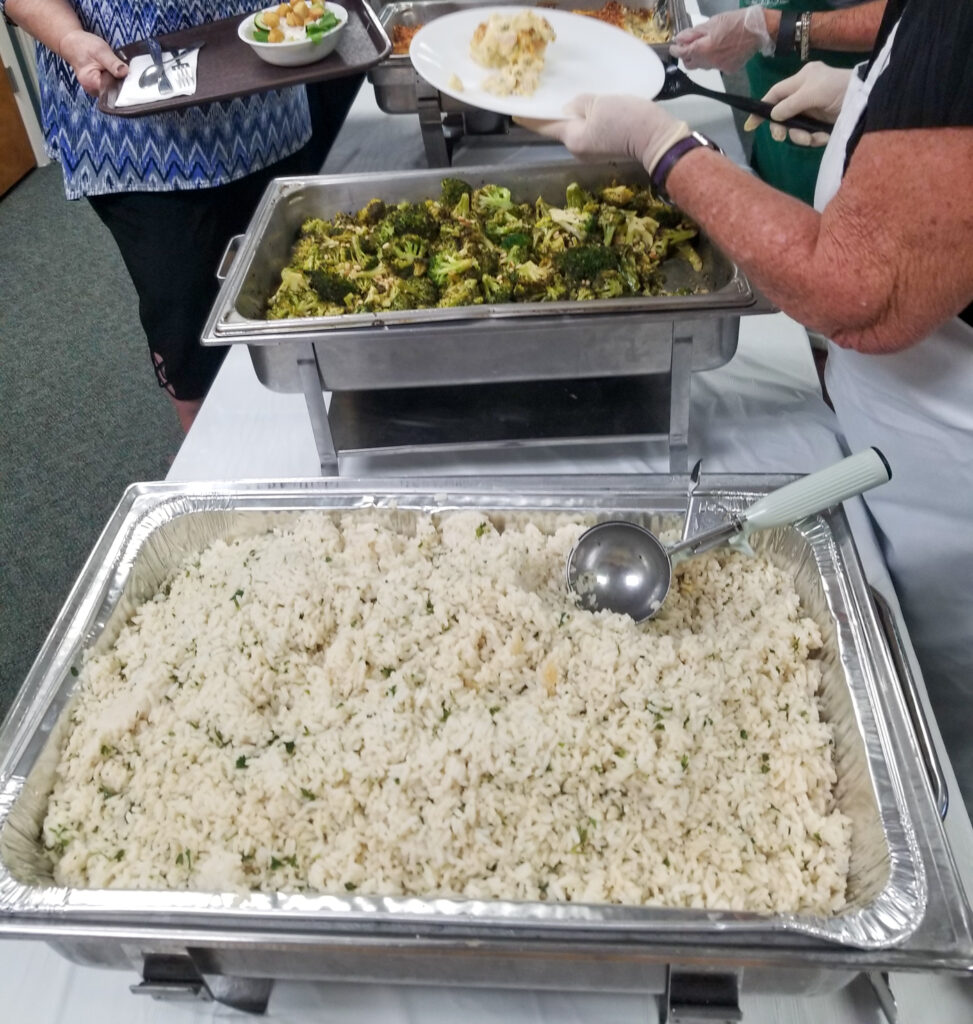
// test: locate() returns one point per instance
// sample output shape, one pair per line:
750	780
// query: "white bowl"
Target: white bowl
292	53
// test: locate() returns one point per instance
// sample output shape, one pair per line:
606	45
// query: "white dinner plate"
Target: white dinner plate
587	56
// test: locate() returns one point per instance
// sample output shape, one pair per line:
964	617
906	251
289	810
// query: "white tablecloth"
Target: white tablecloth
762	412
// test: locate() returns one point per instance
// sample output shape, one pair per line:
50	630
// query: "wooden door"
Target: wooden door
16	155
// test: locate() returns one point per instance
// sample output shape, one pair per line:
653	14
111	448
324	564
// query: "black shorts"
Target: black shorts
172	242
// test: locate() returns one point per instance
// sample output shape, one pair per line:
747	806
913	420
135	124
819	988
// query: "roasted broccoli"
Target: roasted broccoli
579	223
413	293
452	191
578	198
371	213
496	289
474	245
448	266
413	219
406	255
585	262
330	286
461	293
617	195
490	199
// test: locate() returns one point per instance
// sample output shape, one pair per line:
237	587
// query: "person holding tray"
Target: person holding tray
883	266
173	187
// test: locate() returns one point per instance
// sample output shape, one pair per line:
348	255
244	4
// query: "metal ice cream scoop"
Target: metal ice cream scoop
622	567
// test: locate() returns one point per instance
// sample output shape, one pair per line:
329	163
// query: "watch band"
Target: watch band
786	34
672	155
804	36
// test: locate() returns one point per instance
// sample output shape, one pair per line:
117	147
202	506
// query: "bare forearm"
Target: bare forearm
875	271
769	234
48	21
852	29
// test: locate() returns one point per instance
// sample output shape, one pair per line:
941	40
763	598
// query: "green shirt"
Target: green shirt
790	168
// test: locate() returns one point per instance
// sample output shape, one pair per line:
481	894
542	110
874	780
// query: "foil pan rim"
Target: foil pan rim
888	921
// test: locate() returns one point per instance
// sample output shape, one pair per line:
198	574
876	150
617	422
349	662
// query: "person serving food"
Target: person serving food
883	266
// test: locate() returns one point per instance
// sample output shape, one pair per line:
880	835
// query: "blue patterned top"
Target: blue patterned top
193	148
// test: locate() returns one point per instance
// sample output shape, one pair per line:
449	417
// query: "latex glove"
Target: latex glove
727	41
614	126
817	89
90	58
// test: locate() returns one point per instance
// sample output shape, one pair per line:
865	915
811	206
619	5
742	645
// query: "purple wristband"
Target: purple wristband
668	160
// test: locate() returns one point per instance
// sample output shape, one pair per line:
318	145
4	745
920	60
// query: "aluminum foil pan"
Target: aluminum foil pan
889	902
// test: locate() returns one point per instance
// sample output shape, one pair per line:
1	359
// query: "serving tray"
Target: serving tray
228	68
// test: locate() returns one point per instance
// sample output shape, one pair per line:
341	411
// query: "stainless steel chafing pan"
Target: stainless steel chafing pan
665	337
471	344
905	905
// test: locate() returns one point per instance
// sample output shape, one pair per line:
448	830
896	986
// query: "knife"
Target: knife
164	84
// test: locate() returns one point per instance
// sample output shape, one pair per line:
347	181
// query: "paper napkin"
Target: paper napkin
141	84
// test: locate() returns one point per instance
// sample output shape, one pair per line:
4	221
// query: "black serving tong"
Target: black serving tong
678	83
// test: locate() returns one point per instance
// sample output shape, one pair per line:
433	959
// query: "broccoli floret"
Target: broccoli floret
362	253
556	288
413	293
453	190
578	223
689	254
491	199
502	224
578	198
638	231
531	280
457	233
413	219
608	284
406	255
461	211
461	293
515	238
628	267
446	267
610	219
371	213
496	289
547	238
585	262
516	248
330	287
485	254
617	195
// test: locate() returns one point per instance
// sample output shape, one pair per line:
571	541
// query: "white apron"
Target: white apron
917	406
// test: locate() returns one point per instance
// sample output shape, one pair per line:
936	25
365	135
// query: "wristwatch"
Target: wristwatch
787	34
695	140
794	35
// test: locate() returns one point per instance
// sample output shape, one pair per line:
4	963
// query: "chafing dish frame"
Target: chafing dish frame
669	336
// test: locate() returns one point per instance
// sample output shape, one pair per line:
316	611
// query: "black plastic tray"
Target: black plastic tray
227	67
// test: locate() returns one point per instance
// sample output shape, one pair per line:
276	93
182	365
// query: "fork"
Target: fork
164	84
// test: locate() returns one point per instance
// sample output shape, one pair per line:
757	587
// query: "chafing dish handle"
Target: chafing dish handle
910	692
229	255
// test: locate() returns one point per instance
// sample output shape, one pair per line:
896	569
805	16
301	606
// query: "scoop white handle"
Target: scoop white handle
818	491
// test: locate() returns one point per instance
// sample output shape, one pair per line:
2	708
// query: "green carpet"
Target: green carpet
82	416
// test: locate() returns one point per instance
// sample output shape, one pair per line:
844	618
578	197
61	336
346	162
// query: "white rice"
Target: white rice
343	706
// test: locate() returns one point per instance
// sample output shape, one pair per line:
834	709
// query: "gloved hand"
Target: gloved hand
727	41
817	89
90	57
613	126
